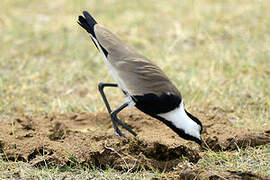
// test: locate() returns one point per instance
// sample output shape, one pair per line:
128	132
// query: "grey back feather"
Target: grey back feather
138	73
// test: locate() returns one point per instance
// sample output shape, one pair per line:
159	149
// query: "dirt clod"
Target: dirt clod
88	138
58	131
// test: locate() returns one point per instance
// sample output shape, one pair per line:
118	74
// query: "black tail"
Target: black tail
87	22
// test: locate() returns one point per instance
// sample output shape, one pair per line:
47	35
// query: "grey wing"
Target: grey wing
134	73
141	76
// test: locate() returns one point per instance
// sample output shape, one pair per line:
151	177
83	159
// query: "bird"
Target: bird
143	84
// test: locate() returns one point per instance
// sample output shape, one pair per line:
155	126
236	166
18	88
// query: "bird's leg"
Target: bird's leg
114	117
100	88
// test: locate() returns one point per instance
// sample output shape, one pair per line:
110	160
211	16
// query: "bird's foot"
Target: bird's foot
117	121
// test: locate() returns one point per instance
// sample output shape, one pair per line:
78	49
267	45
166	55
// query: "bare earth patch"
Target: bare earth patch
88	138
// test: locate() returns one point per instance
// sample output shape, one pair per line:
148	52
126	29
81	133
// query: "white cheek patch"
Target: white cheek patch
180	119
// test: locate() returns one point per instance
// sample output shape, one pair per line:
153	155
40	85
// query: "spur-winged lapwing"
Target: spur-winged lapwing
144	84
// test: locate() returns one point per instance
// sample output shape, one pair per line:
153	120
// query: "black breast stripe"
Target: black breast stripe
152	104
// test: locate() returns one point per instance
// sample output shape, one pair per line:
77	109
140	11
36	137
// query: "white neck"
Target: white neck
181	120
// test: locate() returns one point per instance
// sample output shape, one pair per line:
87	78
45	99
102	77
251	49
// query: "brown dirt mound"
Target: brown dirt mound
220	134
88	138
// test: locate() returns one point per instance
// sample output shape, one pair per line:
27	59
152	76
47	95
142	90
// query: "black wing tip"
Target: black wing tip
90	20
87	22
81	20
86	13
83	23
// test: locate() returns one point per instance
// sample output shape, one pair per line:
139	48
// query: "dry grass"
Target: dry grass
217	53
22	170
251	159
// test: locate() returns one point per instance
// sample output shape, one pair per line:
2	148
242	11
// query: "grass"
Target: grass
216	52
251	159
22	170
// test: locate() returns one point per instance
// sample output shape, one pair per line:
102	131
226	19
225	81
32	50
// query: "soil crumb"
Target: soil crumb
88	138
